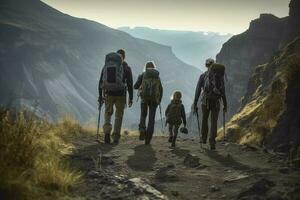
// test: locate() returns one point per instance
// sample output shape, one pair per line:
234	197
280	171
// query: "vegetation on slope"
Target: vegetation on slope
33	156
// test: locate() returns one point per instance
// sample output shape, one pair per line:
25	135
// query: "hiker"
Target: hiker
175	116
212	90
115	81
150	91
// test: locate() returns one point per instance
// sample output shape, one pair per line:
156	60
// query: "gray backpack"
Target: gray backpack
113	73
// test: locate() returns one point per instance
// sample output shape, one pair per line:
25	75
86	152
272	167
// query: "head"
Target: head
122	53
209	62
176	95
150	65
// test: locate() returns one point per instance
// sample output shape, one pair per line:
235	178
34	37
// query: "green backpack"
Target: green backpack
150	89
174	113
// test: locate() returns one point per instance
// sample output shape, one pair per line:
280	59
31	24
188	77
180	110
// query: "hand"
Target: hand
130	103
225	109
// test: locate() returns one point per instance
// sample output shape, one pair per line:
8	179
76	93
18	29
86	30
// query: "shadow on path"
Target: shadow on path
143	158
180	152
227	161
82	157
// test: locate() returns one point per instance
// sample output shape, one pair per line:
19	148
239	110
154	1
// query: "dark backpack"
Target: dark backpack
174	113
113	73
214	82
150	89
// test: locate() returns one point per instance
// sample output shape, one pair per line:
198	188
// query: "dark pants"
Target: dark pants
145	106
173	132
212	108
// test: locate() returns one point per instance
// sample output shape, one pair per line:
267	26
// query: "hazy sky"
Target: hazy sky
225	16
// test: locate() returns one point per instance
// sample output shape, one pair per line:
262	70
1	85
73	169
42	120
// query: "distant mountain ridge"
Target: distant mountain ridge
191	47
52	61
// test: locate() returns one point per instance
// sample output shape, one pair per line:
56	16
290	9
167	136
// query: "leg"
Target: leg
151	122
143	116
204	124
215	108
176	127
120	106
170	133
107	118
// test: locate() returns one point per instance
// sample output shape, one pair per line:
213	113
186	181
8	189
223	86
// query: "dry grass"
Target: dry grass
32	153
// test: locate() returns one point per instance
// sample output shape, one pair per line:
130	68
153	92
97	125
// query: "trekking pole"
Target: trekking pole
224	127
98	125
162	124
198	123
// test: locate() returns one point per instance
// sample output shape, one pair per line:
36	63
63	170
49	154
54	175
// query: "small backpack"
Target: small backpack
174	113
214	82
113	73
150	89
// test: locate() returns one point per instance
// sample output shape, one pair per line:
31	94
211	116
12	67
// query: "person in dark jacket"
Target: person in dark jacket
175	116
209	107
148	103
117	99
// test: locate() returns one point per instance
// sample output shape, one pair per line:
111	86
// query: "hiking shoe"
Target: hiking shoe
107	139
173	144
142	136
170	139
116	142
212	147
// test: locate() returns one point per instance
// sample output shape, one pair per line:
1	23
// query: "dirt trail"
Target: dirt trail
185	172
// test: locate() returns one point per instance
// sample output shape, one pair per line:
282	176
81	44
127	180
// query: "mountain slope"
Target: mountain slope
191	47
270	116
52	61
265	36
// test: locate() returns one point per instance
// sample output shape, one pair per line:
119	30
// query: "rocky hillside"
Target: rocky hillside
52	61
265	36
191	47
270	115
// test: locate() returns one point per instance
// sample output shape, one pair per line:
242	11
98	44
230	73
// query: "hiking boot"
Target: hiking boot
170	139
212	147
173	144
107	139
116	142
202	141
142	135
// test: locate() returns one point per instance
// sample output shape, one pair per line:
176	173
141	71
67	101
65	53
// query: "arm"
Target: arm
198	89
138	83
129	83
161	91
183	115
167	110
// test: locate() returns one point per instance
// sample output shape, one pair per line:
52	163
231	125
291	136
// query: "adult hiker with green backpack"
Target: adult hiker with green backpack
212	89
175	116
115	81
151	92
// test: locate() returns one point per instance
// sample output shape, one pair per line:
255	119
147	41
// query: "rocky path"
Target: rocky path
132	170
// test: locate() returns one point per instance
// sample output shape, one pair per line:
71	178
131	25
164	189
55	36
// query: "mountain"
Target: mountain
241	53
191	47
51	61
269	113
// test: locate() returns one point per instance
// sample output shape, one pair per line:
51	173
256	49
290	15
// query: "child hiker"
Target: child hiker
175	116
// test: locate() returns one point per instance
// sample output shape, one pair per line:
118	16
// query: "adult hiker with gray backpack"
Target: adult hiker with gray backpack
115	81
212	89
150	91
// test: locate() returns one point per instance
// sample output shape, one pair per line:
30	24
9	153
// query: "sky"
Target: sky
223	16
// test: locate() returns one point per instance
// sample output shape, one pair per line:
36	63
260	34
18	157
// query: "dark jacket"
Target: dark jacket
139	81
183	116
127	80
199	89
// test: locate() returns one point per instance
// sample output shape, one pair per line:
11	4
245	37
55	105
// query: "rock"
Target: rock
191	160
171	166
175	193
126	132
93	174
258	188
284	170
214	188
107	160
166	174
204	196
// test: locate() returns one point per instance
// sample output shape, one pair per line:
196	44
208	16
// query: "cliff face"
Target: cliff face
270	116
52	61
243	52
